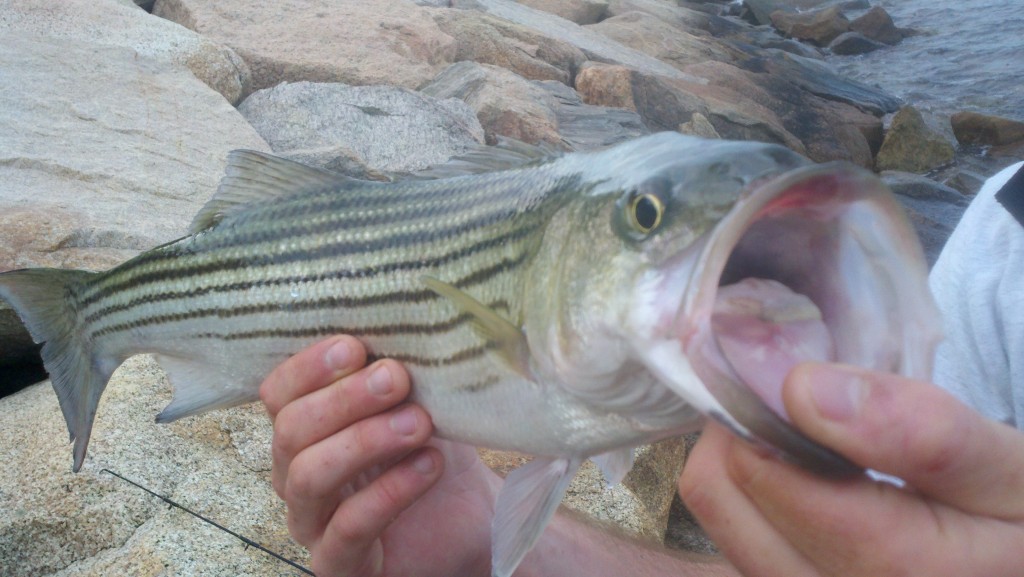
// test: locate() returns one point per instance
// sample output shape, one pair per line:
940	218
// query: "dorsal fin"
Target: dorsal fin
252	177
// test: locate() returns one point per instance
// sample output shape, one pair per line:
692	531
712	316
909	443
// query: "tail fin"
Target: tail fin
43	298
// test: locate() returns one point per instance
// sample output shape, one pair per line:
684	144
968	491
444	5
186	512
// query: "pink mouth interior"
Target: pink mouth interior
763	330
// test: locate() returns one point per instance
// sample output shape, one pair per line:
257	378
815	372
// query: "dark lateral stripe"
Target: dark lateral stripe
339	249
385	330
455	359
331	302
378	270
294	225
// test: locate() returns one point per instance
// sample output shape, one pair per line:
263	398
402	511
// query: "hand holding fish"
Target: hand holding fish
349	459
961	512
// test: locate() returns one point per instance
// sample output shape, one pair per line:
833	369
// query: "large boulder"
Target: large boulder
529	53
505	103
117	158
984	129
350	41
662	39
361	130
877	25
818	26
116	23
578	11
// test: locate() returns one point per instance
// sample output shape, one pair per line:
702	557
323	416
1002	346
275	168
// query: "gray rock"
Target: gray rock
505	103
911	146
819	78
114	23
362	131
683	17
762	10
851	43
933	209
383	42
595	46
586	127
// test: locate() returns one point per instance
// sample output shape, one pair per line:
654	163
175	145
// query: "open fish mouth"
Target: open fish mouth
818	264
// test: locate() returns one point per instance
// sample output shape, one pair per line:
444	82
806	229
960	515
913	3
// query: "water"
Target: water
970	57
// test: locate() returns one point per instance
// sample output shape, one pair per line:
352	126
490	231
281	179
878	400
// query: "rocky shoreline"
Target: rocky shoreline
115	122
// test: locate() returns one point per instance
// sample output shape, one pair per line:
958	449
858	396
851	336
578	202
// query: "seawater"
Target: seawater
969	56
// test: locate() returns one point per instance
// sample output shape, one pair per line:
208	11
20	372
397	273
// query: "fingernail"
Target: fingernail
340	355
379	382
838	392
404	422
424	464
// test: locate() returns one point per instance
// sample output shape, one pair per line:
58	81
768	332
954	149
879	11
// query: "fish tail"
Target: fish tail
45	301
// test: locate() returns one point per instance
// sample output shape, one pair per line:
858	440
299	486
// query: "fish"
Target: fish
569	306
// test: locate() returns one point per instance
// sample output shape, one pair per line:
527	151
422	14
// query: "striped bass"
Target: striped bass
571	308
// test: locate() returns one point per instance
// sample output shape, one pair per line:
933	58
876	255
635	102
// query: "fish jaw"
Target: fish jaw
823	267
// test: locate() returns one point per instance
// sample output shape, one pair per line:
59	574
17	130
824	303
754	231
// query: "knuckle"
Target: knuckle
302	482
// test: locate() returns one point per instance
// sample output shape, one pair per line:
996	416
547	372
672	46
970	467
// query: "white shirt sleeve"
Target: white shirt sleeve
978	283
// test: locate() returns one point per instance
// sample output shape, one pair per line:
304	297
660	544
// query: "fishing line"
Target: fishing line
248	542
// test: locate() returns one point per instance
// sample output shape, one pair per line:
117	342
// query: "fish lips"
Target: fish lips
831	235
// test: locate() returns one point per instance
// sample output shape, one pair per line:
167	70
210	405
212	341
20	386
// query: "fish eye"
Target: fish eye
645	211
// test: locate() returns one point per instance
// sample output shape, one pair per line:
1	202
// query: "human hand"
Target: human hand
369	492
961	512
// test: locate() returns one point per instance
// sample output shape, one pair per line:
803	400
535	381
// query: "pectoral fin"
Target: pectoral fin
501	336
614	465
526	503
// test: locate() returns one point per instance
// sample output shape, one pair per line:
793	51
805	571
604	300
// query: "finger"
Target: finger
351	542
323	412
312	368
316	477
732	521
913	430
863	528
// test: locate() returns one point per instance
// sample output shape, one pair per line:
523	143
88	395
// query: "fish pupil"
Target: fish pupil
646	212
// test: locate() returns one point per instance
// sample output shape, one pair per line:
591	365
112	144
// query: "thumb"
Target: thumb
913	430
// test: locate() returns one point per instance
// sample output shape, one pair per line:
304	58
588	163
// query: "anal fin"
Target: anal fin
200	387
526	503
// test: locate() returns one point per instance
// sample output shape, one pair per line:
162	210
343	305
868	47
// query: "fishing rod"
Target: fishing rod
248	542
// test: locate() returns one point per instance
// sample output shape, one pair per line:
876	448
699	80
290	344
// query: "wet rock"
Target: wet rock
361	130
761	10
578	11
934	209
113	23
967	182
505	103
877	25
820	79
850	43
818	26
983	129
595	46
489	40
827	130
586	127
384	42
660	39
911	146
148	150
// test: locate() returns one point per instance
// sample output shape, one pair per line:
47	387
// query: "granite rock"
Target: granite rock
984	129
578	11
361	131
114	23
877	25
851	43
349	41
817	26
661	39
